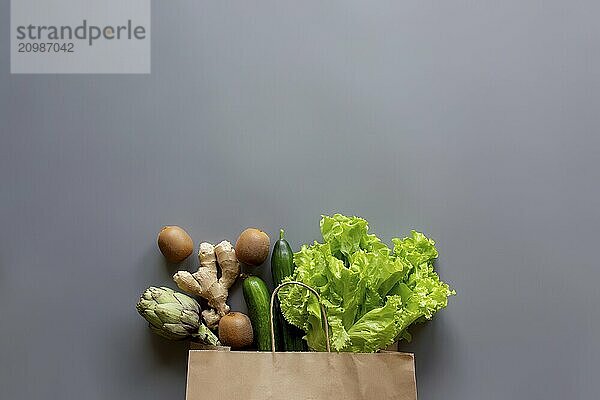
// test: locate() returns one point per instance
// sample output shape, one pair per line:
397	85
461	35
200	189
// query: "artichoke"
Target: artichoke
174	316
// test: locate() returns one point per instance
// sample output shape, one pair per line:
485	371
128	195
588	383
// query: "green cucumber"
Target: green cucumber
282	266
258	300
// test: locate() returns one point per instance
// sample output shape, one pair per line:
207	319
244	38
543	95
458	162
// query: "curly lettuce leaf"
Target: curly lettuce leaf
416	249
377	329
371	293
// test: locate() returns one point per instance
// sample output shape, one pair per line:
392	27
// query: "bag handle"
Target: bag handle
323	312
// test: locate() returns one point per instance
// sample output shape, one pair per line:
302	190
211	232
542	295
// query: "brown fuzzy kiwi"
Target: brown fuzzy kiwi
252	247
235	330
175	243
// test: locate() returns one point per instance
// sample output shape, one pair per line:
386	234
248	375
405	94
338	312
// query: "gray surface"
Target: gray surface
476	122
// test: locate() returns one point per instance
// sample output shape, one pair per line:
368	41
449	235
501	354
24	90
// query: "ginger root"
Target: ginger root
204	282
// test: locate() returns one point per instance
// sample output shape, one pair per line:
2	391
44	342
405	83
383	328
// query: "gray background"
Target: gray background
475	122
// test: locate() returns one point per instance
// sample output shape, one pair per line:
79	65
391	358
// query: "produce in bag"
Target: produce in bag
204	282
372	293
235	330
282	266
175	243
258	298
174	316
252	247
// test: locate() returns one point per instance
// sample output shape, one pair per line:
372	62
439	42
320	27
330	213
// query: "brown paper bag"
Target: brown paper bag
246	375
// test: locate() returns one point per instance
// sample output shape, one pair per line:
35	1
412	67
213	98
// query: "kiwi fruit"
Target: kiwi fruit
252	247
175	244
235	330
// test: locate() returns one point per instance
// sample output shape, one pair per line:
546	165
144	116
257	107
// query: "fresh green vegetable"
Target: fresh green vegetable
258	300
174	316
282	259
282	266
372	294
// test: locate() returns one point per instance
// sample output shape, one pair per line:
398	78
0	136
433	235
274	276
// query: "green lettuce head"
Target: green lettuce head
371	293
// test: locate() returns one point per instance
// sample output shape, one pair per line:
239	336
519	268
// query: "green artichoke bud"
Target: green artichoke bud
174	316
